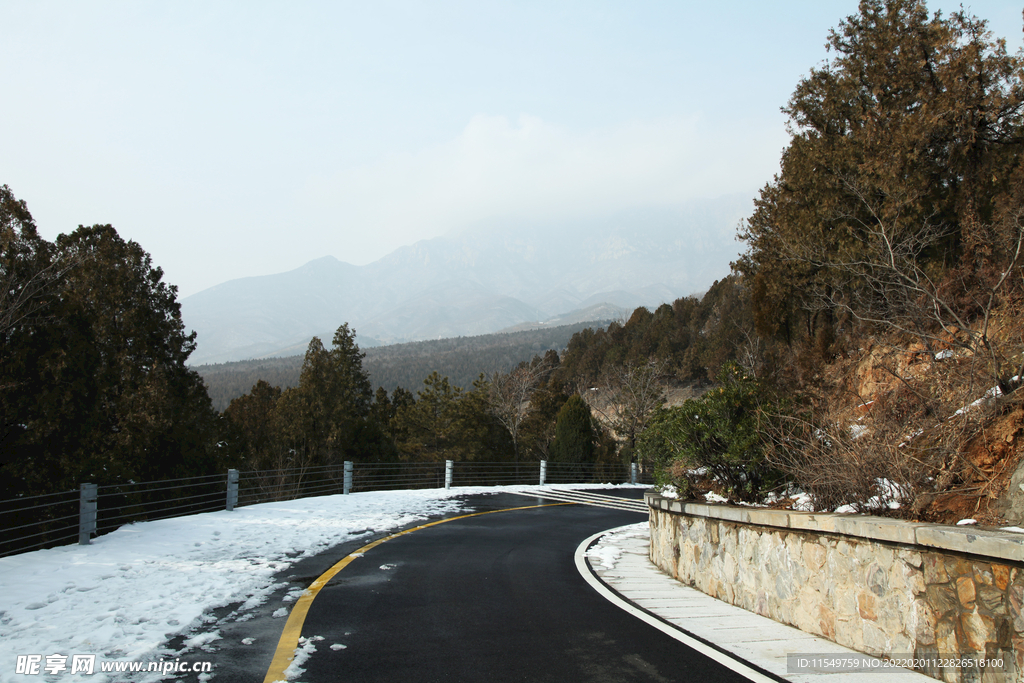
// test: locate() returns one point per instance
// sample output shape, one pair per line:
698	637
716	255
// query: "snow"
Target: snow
607	551
910	437
857	431
127	594
669	491
802	501
890	495
966	522
307	646
1015	529
989	396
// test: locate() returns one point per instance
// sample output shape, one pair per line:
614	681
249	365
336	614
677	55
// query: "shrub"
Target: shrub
717	434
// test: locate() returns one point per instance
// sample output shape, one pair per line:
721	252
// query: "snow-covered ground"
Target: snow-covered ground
606	552
123	597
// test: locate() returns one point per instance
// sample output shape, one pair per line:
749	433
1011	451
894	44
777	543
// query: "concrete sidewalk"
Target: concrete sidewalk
752	638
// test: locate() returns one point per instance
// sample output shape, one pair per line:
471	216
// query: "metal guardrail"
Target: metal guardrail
54	519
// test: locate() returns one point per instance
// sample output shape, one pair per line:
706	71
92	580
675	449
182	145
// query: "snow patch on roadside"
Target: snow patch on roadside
609	548
307	646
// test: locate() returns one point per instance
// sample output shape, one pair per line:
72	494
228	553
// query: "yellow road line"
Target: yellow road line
289	641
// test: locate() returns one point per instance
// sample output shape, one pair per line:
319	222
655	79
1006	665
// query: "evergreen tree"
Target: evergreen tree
96	387
538	429
323	421
901	146
250	420
29	270
575	436
429	428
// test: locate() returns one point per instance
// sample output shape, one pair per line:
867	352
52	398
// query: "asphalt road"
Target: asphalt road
490	598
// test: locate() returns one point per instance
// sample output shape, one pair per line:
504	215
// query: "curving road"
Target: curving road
495	597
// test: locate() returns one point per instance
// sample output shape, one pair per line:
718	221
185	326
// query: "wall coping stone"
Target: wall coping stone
1003	545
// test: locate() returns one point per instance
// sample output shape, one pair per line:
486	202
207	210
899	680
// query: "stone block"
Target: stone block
772	518
977	631
945	638
867	606
1001	576
912	558
965	591
900	643
924	628
877	580
877	528
814	556
849	632
983	574
695	509
826	622
783	586
884	555
990	601
942	599
1016	598
914	581
934	569
812	521
876	641
729	513
1004	545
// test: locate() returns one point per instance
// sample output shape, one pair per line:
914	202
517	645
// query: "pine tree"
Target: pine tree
574	433
96	388
323	420
901	144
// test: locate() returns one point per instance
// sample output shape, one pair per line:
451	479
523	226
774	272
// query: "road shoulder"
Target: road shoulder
616	563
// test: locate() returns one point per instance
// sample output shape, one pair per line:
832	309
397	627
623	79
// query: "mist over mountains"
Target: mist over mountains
479	280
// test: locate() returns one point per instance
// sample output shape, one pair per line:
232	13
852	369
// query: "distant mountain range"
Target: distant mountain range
479	280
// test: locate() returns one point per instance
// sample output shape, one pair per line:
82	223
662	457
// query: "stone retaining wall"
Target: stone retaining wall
881	586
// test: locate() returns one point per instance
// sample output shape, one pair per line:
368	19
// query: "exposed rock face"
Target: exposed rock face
883	587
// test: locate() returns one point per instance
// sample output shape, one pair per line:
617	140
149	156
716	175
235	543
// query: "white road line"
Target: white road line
725	660
596	500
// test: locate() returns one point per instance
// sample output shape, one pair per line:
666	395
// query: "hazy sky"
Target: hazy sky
244	138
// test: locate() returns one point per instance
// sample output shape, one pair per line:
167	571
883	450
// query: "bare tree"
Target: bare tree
886	279
509	396
628	397
883	272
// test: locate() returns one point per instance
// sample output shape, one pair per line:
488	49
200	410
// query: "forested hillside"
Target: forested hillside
461	359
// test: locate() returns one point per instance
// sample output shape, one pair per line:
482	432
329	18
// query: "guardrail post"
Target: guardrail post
448	466
543	471
87	509
347	486
632	473
232	500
